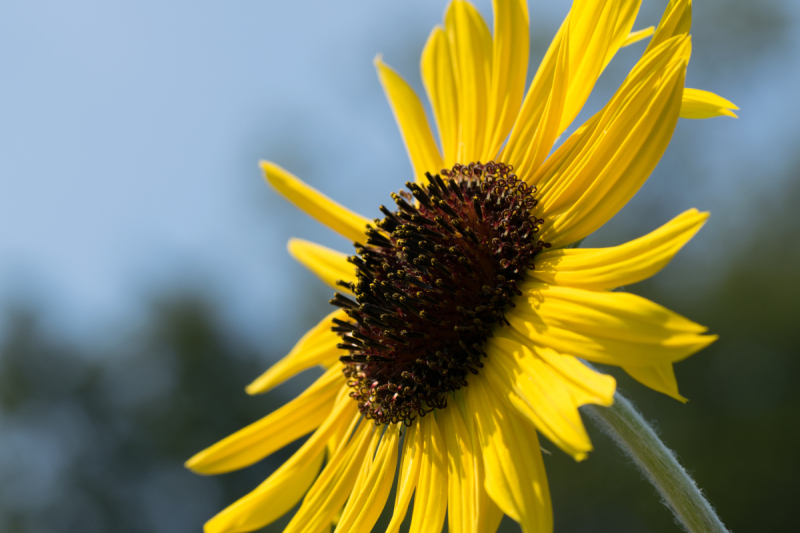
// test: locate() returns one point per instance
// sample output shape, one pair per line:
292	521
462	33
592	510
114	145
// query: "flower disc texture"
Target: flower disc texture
463	316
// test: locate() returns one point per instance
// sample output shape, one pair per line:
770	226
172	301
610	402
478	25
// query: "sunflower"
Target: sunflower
463	318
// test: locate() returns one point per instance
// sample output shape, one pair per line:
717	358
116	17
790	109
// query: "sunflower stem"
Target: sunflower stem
623	423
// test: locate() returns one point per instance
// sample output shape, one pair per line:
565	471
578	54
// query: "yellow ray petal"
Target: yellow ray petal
486	515
607	327
329	265
588	181
315	204
659	377
591	34
585	384
461	480
699	104
538	392
439	79
333	486
430	502
587	40
471	52
609	268
407	477
677	20
365	506
623	36
317	347
509	68
547	132
410	117
636	36
284	488
515	476
529	117
287	424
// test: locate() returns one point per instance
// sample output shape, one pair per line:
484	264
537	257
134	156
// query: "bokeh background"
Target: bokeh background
144	279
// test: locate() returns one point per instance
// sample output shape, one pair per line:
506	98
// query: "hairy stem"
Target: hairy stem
623	423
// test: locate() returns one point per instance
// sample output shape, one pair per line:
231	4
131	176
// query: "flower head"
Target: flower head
463	316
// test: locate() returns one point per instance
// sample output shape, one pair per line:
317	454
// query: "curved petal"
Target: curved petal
436	67
368	499
592	43
660	378
636	36
699	104
609	268
530	114
328	265
471	52
260	439
407	477
623	36
589	179
510	51
315	204
284	488
410	117
587	40
335	483
606	327
468	506
515	475
317	347
677	20
585	384
538	392
430	502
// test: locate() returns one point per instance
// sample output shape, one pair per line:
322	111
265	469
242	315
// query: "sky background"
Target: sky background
144	278
131	132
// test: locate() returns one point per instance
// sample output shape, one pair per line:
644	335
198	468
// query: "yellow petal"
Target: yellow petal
407	477
284	488
439	79
461	480
677	20
509	68
367	501
588	181
410	117
636	36
623	36
486	515
329	265
585	384
609	268
538	392
659	377
333	486
471	52
287	424
315	204
607	327
588	39
528	119
515	476
547	132
430	502
591	34
699	104
317	347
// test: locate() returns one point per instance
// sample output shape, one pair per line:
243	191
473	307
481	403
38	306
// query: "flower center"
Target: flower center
432	283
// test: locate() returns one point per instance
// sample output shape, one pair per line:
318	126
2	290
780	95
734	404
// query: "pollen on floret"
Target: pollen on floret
434	279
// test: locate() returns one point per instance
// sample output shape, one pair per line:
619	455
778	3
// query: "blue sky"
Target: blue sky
131	131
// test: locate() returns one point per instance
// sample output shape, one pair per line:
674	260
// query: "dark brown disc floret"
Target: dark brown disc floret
433	279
